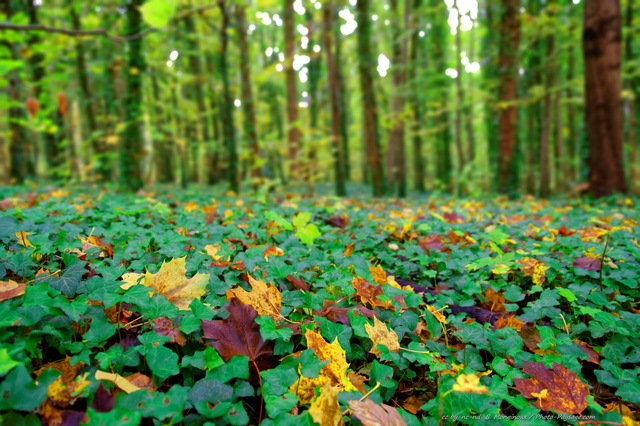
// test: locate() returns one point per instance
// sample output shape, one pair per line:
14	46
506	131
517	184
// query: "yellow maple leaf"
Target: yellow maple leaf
469	383
325	410
378	274
265	298
212	250
171	282
64	393
380	335
534	268
436	313
334	373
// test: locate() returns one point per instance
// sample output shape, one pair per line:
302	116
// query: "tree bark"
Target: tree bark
294	134
227	109
248	106
508	62
416	99
338	154
601	40
367	65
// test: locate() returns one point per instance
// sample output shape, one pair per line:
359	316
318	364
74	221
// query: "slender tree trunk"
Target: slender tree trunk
545	135
573	143
460	103
313	100
342	99
469	110
634	105
131	144
367	65
294	134
602	54
248	107
440	32
338	154
227	109
416	99
508	61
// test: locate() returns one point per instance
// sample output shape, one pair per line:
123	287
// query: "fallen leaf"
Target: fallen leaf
588	263
371	414
10	289
495	301
272	251
369	293
298	283
212	250
534	268
165	327
239	334
23	240
121	382
334	373
566	393
265	298
380	335
325	410
509	321
469	383
171	282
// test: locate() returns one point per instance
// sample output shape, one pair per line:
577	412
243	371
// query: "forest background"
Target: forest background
467	97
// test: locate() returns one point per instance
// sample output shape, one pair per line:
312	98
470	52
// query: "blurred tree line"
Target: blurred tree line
461	96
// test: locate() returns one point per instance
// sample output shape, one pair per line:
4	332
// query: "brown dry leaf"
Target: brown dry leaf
325	410
594	356
272	251
412	405
534	268
566	394
369	293
371	414
106	249
23	240
265	298
509	321
69	372
495	301
10	289
121	382
358	380
171	282
298	283
380	335
334	373
349	249
164	326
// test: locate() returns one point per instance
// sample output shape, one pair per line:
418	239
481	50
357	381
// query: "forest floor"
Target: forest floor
196	307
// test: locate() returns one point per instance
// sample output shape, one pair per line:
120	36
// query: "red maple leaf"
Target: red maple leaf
588	263
239	334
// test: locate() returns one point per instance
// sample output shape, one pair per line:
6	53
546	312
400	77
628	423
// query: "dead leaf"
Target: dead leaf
212	250
334	373
239	334
325	410
272	251
265	298
509	321
165	327
171	282
371	414
380	335
565	392
469	383
535	269
10	289
369	293
588	263
298	283
121	382
594	356
23	240
495	301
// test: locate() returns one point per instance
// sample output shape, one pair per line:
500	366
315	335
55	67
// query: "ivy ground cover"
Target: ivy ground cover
197	308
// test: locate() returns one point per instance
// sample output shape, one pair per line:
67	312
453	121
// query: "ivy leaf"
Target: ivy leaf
69	281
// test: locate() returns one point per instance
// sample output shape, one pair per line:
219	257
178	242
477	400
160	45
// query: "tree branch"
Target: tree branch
99	31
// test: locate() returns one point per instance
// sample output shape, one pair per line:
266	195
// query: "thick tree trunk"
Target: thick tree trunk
634	105
367	65
508	61
248	108
602	54
227	107
294	134
338	154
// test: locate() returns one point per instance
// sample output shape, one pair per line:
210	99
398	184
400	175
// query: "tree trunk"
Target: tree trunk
545	135
314	97
367	65
294	134
338	154
601	39
416	99
459	104
131	144
508	62
634	105
342	99
440	32
248	108
227	107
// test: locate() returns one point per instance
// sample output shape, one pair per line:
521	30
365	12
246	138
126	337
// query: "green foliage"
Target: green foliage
539	268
